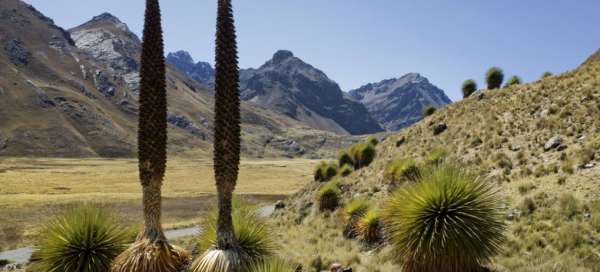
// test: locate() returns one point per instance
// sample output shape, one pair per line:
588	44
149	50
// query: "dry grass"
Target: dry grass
31	190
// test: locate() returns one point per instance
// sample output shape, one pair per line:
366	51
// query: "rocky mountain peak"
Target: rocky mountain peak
201	71
399	102
105	17
281	56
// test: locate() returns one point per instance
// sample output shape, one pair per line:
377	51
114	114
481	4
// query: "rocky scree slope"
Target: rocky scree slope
538	142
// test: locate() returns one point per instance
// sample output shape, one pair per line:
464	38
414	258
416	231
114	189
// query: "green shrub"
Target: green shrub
353	210
436	157
494	78
369	227
469	87
345	158
273	265
325	171
429	110
514	80
346	170
546	74
85	239
252	233
372	140
363	154
329	196
450	221
401	170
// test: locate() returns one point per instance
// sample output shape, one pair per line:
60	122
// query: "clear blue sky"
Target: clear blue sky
358	41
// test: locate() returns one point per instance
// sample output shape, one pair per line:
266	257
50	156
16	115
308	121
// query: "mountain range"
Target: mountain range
74	93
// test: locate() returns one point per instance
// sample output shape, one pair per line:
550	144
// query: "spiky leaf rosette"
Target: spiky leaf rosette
369	226
448	222
152	256
251	232
152	125
353	211
494	78
469	87
86	239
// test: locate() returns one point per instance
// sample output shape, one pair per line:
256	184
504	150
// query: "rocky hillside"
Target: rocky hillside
74	93
399	102
288	85
198	71
538	143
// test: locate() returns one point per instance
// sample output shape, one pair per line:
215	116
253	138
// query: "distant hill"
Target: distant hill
74	93
399	102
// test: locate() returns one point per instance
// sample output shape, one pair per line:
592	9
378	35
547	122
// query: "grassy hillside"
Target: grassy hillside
550	188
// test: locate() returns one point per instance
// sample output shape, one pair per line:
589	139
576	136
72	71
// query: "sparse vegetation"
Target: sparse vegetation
273	265
450	221
494	78
546	74
468	88
436	157
85	239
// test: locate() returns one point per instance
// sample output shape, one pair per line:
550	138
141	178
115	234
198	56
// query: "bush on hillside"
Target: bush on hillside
429	110
514	80
363	154
325	171
546	75
402	170
450	221
373	140
353	211
369	227
85	239
329	195
346	170
436	157
469	87
345	158
494	78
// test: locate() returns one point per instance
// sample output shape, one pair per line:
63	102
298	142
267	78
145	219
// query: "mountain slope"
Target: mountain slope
290	86
538	143
399	102
75	94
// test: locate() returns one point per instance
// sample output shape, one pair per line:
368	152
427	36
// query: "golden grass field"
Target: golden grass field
33	189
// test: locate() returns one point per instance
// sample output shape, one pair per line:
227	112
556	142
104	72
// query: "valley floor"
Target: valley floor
34	189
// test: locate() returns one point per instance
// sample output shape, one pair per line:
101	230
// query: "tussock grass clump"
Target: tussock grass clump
251	232
329	195
345	158
274	265
428	111
353	211
546	74
469	87
494	78
363	154
401	170
86	239
373	140
436	157
450	221
325	171
346	170
514	80
369	227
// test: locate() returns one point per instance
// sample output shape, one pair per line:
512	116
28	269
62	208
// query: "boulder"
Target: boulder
439	128
553	143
